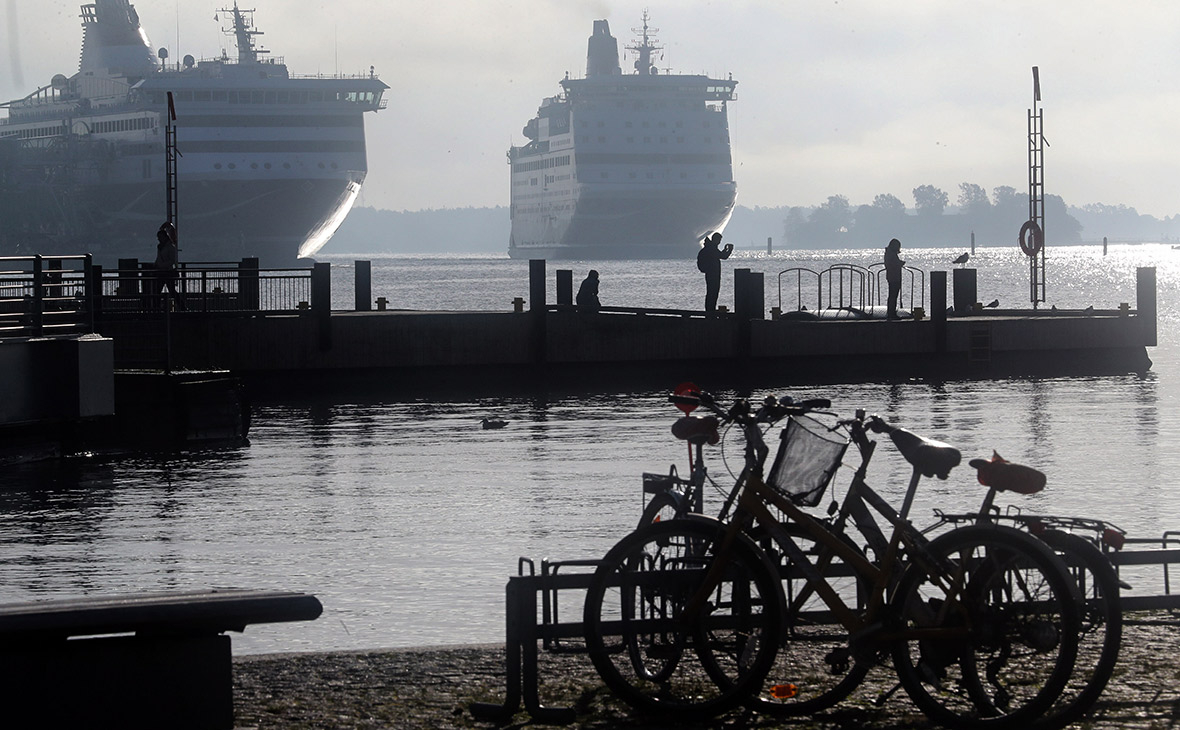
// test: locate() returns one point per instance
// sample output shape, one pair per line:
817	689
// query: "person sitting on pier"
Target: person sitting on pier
893	266
167	254
587	299
709	264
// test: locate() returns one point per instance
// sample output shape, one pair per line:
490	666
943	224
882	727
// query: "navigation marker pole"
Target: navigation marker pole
1035	248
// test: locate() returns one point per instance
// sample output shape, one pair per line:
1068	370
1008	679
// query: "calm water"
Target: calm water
405	518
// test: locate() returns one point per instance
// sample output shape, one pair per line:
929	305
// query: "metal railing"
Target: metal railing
43	295
208	288
848	286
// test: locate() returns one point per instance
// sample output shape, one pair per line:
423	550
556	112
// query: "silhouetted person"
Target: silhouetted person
893	264
167	255
587	299
709	264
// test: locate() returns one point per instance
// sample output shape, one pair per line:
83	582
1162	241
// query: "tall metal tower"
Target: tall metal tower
1032	234
170	155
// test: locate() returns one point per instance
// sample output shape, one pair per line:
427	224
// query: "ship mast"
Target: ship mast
645	47
244	32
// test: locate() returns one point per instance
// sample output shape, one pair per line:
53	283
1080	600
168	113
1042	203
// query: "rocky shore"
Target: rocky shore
431	688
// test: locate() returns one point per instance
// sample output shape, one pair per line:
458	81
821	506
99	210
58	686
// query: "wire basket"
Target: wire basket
808	456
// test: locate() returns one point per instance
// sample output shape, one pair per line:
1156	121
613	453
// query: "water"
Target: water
406	518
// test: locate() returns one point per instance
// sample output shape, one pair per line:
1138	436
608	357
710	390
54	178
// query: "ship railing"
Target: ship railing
46	295
847	286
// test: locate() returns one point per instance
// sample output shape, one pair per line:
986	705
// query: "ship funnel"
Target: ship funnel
602	54
113	42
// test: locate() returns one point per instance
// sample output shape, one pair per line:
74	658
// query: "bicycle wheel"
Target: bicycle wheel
654	655
987	638
662	507
814	667
1101	627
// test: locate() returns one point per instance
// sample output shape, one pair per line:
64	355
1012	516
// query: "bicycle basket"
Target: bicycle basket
808	456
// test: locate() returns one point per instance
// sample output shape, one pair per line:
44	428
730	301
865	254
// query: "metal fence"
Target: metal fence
41	295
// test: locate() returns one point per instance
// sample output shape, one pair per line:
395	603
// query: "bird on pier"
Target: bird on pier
993	304
962	259
493	423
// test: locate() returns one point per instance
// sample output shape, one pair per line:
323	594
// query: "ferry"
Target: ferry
270	162
623	166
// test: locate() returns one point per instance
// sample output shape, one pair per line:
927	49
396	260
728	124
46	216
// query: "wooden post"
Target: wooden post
249	295
1145	293
321	301
364	286
537	308
938	309
565	287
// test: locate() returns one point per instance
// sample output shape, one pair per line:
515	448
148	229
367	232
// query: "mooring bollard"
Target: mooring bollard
381	302
518	305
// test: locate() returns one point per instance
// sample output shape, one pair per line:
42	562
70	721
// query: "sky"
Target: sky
835	97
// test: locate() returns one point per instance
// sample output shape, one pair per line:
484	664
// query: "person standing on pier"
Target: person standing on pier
709	264
587	299
893	265
167	255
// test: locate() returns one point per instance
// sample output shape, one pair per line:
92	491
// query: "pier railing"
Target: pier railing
45	295
230	288
847	286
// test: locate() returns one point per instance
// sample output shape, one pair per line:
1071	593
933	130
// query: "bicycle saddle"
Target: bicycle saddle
1004	476
697	429
930	457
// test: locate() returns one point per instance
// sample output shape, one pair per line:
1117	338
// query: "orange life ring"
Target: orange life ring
1031	244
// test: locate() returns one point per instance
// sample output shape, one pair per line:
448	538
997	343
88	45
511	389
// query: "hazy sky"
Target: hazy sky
851	97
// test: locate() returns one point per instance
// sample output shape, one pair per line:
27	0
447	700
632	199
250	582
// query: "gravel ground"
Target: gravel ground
432	688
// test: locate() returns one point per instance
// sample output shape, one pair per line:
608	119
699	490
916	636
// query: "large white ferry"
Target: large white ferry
270	162
623	166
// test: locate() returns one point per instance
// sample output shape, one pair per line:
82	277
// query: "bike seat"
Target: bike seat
1004	476
928	456
697	429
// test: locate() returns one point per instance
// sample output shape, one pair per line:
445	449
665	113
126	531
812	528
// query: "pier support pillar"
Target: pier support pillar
565	287
966	292
1145	303
938	309
364	286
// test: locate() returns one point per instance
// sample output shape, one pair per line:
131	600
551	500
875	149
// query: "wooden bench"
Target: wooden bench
138	661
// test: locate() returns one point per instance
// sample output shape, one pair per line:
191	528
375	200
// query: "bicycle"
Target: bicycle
1100	639
689	616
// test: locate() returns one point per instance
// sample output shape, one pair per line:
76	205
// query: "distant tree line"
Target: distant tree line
836	223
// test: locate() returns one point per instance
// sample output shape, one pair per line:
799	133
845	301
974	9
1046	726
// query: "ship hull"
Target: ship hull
272	220
622	222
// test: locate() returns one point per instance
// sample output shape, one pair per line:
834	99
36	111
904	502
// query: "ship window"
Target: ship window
632	175
601	123
602	175
650	176
253	165
256	97
216	165
184	96
663	140
680	123
663	124
601	138
286	165
647	139
708	140
283	97
684	176
267	165
269	97
680	140
219	96
321	165
645	124
232	166
630	139
232	97
628	124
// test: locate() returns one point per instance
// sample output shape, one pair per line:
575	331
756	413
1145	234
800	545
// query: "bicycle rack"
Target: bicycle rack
523	632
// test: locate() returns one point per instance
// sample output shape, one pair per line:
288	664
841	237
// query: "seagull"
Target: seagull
993	304
493	423
962	259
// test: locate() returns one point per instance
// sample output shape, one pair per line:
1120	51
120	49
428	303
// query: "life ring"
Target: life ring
1032	244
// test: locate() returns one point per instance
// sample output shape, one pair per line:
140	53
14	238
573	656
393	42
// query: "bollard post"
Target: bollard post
938	309
88	295
94	290
1145	294
755	295
565	287
364	285
38	303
